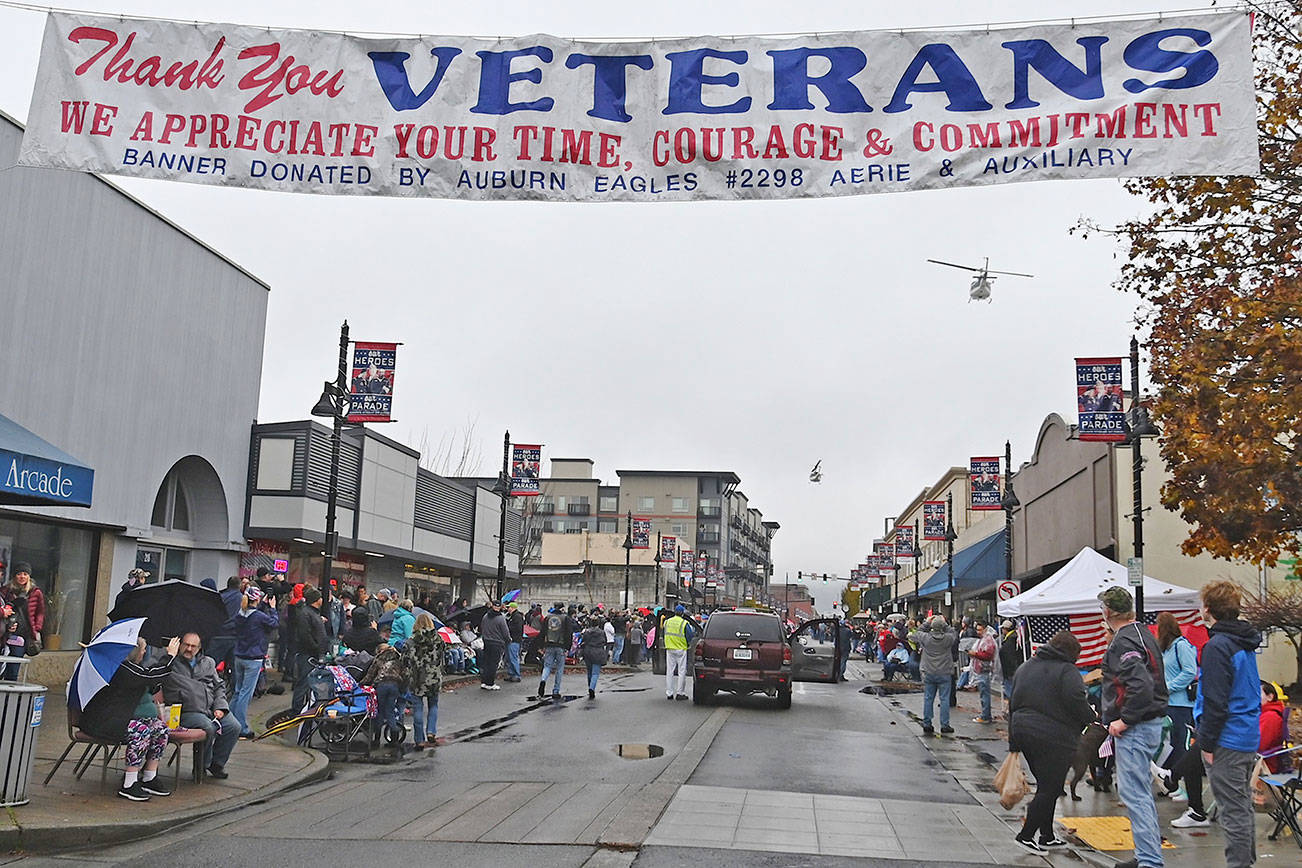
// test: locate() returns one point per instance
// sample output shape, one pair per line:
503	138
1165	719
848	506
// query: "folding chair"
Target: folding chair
1285	789
93	747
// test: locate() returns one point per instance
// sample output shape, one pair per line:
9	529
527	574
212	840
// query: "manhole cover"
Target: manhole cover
639	751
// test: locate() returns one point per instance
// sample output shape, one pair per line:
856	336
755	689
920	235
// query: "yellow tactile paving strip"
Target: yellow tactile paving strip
1105	833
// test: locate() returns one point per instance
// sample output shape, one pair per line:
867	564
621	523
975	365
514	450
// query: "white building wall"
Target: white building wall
128	343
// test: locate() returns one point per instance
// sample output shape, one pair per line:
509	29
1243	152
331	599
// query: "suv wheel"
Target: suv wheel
784	699
702	695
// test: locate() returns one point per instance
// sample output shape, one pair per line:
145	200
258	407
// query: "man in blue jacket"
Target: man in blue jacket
1228	712
254	623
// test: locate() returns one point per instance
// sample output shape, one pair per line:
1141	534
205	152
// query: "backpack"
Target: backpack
554	630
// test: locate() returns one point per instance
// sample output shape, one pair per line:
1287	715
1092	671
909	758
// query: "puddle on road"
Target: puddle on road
639	751
497	724
625	689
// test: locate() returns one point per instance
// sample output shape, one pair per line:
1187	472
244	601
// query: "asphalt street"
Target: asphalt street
546	784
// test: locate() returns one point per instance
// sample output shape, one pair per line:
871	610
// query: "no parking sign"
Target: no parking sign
1008	589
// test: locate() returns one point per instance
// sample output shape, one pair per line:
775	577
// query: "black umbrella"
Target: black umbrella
173	608
473	615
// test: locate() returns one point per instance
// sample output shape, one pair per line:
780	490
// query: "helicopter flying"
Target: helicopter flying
980	288
816	475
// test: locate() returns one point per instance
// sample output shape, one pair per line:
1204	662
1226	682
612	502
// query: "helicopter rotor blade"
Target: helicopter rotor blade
954	265
1011	273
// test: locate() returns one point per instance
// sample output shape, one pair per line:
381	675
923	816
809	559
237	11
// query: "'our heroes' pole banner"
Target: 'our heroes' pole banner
543	118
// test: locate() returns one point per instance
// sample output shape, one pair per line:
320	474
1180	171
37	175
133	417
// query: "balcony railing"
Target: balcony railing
707	536
578	509
709	512
546	509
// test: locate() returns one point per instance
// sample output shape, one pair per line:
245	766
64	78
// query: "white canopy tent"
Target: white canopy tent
1076	586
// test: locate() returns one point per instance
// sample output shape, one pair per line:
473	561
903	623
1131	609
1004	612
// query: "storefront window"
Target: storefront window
61	559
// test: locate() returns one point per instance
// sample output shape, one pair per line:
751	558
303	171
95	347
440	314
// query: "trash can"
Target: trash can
21	708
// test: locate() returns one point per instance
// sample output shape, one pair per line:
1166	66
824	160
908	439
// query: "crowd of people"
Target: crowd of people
1188	696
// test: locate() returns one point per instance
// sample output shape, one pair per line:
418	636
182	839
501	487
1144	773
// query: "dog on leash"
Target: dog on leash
1087	759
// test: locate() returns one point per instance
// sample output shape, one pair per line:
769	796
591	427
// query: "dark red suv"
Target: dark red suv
749	651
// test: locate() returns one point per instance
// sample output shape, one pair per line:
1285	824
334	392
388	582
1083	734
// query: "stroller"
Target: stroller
346	710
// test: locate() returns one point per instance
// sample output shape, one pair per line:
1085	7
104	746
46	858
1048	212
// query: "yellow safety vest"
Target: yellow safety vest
676	634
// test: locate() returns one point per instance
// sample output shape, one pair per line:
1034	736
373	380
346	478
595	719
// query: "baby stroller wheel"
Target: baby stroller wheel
333	731
395	735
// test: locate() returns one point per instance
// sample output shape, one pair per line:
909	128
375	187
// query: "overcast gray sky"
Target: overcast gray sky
787	331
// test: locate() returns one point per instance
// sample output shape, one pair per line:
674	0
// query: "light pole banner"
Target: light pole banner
904	541
685	561
669	550
641	533
885	556
370	392
983	483
704	117
526	462
1100	402
933	520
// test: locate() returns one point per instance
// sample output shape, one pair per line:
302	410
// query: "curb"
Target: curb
51	838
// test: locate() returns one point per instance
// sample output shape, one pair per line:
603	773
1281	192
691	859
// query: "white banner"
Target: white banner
551	119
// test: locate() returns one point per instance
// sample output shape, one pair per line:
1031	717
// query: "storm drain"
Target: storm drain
639	751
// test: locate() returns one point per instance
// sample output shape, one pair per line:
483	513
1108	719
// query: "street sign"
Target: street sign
1135	571
1008	589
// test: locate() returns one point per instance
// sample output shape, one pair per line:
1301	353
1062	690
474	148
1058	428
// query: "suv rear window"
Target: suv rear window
762	628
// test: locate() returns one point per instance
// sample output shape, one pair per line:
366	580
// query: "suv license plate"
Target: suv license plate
742	654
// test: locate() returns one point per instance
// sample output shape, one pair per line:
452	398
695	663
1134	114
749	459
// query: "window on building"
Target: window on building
62	560
558	527
678	529
682	504
560	501
646	504
608	526
609	503
171	505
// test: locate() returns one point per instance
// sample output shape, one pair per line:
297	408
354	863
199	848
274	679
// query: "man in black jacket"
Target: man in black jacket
496	634
1134	703
309	641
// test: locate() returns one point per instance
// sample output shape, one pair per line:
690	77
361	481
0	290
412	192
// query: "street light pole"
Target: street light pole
503	491
628	553
950	536
917	560
1009	502
334	397
655	598
1140	427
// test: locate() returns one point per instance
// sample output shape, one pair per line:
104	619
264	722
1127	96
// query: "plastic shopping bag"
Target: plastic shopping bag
1010	781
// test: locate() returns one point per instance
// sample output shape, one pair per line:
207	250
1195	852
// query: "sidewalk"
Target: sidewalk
976	750
70	814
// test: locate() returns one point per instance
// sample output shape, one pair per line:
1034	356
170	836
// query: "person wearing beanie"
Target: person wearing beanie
28	603
310	640
1133	708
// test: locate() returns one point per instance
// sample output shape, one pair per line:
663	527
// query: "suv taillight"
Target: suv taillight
786	653
700	651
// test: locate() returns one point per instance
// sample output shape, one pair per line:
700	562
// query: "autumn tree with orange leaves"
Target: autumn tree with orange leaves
1216	262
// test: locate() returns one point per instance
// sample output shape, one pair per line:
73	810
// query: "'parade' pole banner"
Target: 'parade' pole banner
553	119
933	520
904	541
370	392
668	550
1100	401
685	562
983	477
641	533
525	464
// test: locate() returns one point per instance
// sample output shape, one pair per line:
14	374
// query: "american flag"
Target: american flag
1088	628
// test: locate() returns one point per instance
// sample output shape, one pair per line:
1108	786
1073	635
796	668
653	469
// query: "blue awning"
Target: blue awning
975	567
35	473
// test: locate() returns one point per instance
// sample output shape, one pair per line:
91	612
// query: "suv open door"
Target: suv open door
816	651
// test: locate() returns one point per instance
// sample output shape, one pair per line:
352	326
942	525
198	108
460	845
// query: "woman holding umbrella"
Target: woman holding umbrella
126	706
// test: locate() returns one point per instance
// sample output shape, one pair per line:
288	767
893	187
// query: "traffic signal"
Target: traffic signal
825	578
800	576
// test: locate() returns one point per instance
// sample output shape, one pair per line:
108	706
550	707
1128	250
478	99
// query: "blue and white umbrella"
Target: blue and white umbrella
101	659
